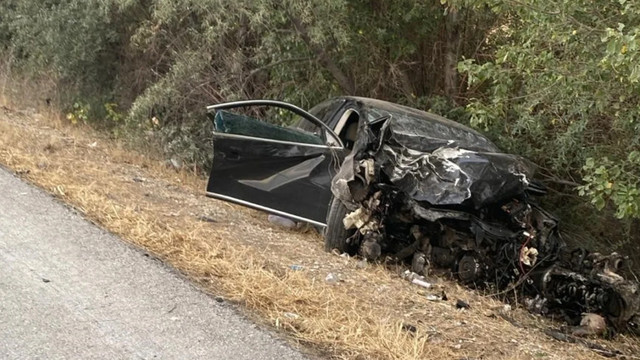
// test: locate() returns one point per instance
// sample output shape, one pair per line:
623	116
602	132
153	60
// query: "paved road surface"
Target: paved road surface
70	290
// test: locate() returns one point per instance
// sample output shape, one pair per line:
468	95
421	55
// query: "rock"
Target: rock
591	324
176	163
410	328
281	221
461	304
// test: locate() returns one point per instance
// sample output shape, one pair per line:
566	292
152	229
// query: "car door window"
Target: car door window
264	122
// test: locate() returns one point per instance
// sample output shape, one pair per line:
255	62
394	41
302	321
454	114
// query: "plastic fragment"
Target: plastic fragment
332	279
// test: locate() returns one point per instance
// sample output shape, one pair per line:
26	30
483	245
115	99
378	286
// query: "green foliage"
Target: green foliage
618	182
562	87
113	116
71	39
556	82
79	113
193	53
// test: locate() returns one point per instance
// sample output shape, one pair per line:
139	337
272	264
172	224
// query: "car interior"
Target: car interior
347	128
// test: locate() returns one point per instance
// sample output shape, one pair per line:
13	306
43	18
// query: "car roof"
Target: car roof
386	105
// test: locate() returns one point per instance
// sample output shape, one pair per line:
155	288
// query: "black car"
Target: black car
383	178
287	170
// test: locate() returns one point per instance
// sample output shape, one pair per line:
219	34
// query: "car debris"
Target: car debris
433	193
440	297
416	279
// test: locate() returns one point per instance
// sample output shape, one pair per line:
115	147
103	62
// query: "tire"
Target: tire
335	235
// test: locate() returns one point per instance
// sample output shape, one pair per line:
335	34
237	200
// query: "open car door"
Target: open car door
259	163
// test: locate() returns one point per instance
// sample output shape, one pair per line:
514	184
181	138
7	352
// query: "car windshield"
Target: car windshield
439	130
323	111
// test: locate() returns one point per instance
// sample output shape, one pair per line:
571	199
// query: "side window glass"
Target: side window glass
266	122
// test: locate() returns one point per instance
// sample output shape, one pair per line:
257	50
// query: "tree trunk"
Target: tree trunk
341	78
452	52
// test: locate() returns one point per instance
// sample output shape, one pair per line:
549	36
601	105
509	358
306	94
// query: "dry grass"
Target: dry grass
243	257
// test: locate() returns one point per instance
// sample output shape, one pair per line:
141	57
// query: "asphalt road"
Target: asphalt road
69	290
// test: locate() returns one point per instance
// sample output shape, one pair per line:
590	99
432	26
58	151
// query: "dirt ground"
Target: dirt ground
370	313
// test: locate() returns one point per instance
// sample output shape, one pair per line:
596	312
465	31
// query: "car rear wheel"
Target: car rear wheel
335	235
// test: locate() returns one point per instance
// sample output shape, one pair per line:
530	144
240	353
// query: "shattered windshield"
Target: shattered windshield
435	131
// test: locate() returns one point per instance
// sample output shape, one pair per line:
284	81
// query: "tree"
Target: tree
562	87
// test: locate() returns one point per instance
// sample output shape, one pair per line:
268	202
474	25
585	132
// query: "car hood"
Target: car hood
433	162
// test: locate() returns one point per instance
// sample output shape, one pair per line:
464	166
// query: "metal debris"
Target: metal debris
410	328
432	297
528	256
599	349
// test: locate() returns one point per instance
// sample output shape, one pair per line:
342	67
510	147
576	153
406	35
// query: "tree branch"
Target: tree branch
345	83
273	64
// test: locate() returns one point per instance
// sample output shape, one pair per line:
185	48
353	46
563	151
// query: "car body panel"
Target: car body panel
278	169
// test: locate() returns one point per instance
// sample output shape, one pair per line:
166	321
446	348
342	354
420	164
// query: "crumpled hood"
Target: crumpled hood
442	164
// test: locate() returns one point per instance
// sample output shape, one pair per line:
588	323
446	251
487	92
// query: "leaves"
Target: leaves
558	82
562	88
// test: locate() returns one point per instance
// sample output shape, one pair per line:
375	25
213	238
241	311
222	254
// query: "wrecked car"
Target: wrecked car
386	180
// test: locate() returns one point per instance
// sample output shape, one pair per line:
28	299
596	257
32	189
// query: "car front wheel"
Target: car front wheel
335	235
